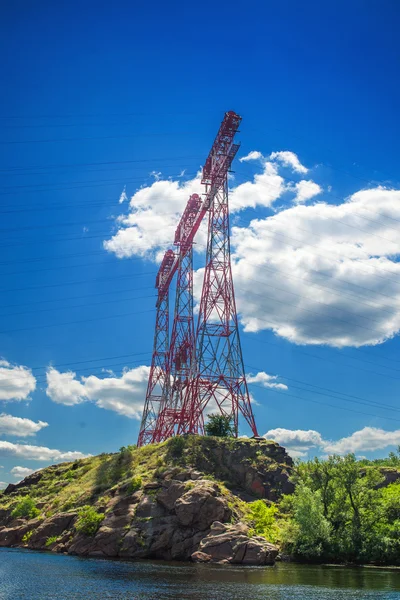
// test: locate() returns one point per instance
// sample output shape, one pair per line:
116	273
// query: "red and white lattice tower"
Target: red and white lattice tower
157	384
182	346
218	380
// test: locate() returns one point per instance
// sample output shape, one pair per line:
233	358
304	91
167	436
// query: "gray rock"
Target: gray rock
54	526
233	545
200	507
169	495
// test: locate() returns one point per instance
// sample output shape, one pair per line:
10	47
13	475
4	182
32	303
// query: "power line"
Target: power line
79	187
331	290
105	137
264	233
26	312
335	406
78	321
101	163
95	181
310	311
68	283
108	292
354	399
81	362
332	360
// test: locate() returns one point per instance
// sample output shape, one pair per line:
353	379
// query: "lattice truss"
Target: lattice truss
196	372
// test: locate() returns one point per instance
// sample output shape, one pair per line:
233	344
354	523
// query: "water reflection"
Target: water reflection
28	575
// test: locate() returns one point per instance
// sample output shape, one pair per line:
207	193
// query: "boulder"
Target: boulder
149	508
54	526
201	506
171	491
232	544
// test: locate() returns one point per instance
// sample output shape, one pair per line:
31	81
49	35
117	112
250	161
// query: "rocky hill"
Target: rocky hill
185	499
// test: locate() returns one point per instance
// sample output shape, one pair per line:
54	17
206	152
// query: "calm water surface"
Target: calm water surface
26	575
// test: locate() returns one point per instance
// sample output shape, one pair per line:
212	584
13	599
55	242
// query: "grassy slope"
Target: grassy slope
93	480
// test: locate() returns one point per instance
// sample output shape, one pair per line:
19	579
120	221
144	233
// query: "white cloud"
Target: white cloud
289	159
314	273
22	472
38	452
299	441
63	388
321	274
18	426
264	190
366	440
16	381
154	214
253	155
305	190
124	395
268	381
3	485
156	209
123	197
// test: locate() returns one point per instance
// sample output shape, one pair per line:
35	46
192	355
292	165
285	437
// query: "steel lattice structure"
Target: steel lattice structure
202	371
182	347
157	384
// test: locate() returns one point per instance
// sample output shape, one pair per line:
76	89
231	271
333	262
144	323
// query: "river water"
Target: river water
27	575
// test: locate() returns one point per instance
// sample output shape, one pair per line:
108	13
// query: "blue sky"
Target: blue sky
104	99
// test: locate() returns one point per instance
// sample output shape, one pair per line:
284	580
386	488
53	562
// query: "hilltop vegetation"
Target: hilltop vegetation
344	510
210	498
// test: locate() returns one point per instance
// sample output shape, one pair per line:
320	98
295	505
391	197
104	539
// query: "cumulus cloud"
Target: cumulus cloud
313	273
264	190
124	395
289	159
321	273
365	440
16	381
154	211
268	381
3	485
38	452
154	214
21	472
299	441
253	155
305	190
18	426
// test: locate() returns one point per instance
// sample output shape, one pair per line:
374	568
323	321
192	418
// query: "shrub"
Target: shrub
262	517
88	520
219	426
51	540
176	446
27	536
135	484
25	508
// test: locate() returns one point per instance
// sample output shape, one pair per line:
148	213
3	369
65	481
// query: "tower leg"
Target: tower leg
218	380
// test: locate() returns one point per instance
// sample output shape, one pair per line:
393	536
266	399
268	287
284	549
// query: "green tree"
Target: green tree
262	517
219	425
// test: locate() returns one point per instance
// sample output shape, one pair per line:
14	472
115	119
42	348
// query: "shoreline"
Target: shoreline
161	561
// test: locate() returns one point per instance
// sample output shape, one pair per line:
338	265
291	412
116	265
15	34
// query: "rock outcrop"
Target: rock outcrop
232	544
179	510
